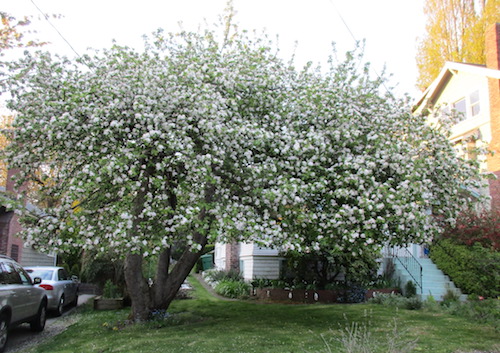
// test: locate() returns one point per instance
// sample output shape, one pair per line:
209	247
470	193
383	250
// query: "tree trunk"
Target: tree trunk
167	291
182	269
162	275
166	285
137	287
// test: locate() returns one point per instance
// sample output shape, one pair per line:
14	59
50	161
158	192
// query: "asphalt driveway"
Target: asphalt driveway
21	337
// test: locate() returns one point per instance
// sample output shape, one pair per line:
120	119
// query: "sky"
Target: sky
304	28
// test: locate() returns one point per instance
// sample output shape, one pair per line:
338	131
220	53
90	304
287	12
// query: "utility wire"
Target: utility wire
55	28
356	42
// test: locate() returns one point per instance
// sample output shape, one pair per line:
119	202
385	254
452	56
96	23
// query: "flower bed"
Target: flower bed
324	296
297	295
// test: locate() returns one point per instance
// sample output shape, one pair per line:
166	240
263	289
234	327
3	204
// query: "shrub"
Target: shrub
430	304
354	293
358	338
413	303
397	301
482	311
261	283
111	290
221	275
450	297
473	228
232	288
474	269
410	289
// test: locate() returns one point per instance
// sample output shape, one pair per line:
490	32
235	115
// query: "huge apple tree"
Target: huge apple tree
197	139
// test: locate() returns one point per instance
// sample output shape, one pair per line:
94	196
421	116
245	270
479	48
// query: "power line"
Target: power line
356	42
55	28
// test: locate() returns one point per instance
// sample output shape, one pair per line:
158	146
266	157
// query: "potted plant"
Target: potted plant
111	299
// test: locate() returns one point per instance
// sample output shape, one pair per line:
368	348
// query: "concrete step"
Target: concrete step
434	281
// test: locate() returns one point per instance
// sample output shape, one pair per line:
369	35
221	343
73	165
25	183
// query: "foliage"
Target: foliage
473	227
353	293
324	265
233	288
221	275
410	289
358	338
480	311
261	283
430	304
384	281
450	297
208	324
474	269
11	35
99	268
111	290
397	301
454	32
199	138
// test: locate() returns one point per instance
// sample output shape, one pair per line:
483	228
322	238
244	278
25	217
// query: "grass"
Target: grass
207	324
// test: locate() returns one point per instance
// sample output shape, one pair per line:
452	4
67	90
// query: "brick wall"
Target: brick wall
233	256
493	62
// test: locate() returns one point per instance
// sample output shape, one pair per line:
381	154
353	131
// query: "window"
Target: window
460	107
469	106
474	103
25	278
62	275
14	252
10	275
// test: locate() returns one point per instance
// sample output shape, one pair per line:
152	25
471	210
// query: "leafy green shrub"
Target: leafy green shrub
354	293
430	304
111	290
450	297
482	311
474	269
410	289
358	338
413	303
221	275
232	288
397	301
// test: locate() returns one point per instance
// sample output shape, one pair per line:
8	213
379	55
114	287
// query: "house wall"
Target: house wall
220	256
34	258
493	62
254	261
455	91
259	262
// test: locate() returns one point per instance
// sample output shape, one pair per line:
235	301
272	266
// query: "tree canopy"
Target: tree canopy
454	32
198	139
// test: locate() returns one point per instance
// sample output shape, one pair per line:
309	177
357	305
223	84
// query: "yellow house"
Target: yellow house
474	92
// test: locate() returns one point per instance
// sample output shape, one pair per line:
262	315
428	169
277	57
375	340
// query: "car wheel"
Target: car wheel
4	332
38	324
60	306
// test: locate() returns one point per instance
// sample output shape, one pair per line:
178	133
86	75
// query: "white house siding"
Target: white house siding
34	258
255	261
220	256
461	84
259	262
455	91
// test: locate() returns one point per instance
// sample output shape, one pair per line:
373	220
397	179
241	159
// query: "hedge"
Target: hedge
474	269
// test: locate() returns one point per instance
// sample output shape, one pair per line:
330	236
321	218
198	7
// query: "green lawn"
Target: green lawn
206	324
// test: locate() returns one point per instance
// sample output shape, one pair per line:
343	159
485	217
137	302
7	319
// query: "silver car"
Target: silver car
20	300
61	289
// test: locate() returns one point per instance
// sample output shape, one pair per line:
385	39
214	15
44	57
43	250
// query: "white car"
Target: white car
61	289
20	300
